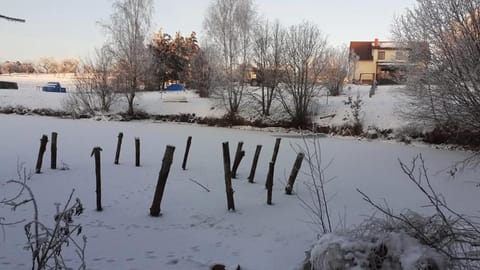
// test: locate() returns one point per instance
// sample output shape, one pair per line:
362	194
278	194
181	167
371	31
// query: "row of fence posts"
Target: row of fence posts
230	170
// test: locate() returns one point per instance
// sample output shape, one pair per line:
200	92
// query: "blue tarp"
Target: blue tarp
175	87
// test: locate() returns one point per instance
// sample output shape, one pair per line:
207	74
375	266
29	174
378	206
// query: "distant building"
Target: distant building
380	61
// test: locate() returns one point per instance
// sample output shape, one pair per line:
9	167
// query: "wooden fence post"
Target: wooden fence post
293	174
53	151
96	151
41	151
239	154
228	176
185	157
119	147
254	164
269	183
274	156
275	149
137	152
162	181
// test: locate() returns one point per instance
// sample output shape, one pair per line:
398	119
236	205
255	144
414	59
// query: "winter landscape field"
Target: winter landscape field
195	230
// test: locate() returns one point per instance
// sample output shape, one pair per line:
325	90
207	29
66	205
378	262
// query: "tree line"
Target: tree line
43	65
289	65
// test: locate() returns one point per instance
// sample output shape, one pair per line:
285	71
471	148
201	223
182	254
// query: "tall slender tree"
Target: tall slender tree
229	25
127	30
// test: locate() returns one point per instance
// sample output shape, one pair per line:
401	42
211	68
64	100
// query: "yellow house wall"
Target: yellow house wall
390	56
365	67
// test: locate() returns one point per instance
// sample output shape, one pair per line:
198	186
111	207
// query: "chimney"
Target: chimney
376	43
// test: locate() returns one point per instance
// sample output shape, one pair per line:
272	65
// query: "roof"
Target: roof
363	49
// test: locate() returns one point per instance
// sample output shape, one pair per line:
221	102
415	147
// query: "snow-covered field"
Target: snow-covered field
29	95
196	230
380	111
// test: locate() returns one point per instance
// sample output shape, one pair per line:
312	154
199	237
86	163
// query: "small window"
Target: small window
381	55
400	55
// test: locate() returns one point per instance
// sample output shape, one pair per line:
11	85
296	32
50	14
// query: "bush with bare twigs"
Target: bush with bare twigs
48	244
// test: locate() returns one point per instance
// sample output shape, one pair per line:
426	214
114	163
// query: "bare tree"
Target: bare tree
204	70
69	65
444	40
337	70
304	61
127	30
95	85
268	51
48	64
229	25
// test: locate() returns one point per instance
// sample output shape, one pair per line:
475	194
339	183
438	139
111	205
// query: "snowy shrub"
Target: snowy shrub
355	122
379	251
453	235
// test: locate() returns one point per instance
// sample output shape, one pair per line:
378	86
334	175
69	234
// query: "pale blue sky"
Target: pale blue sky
68	28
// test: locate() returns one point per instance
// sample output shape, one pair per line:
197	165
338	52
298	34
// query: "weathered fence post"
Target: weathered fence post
185	157
53	151
137	152
96	151
41	151
228	176
239	154
254	164
119	147
162	181
274	156
293	174
269	183
275	149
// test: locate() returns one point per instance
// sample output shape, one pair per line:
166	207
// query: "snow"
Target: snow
335	251
382	110
29	95
195	230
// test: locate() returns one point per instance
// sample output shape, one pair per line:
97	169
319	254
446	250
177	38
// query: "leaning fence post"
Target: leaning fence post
293	174
275	154
275	149
53	151
41	151
185	157
137	152
239	154
96	151
269	183
119	147
228	176
162	181
254	164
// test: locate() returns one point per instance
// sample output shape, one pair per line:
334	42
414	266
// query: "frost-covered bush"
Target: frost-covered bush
388	251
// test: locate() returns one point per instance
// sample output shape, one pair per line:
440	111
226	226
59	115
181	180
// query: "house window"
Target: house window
400	55
381	55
